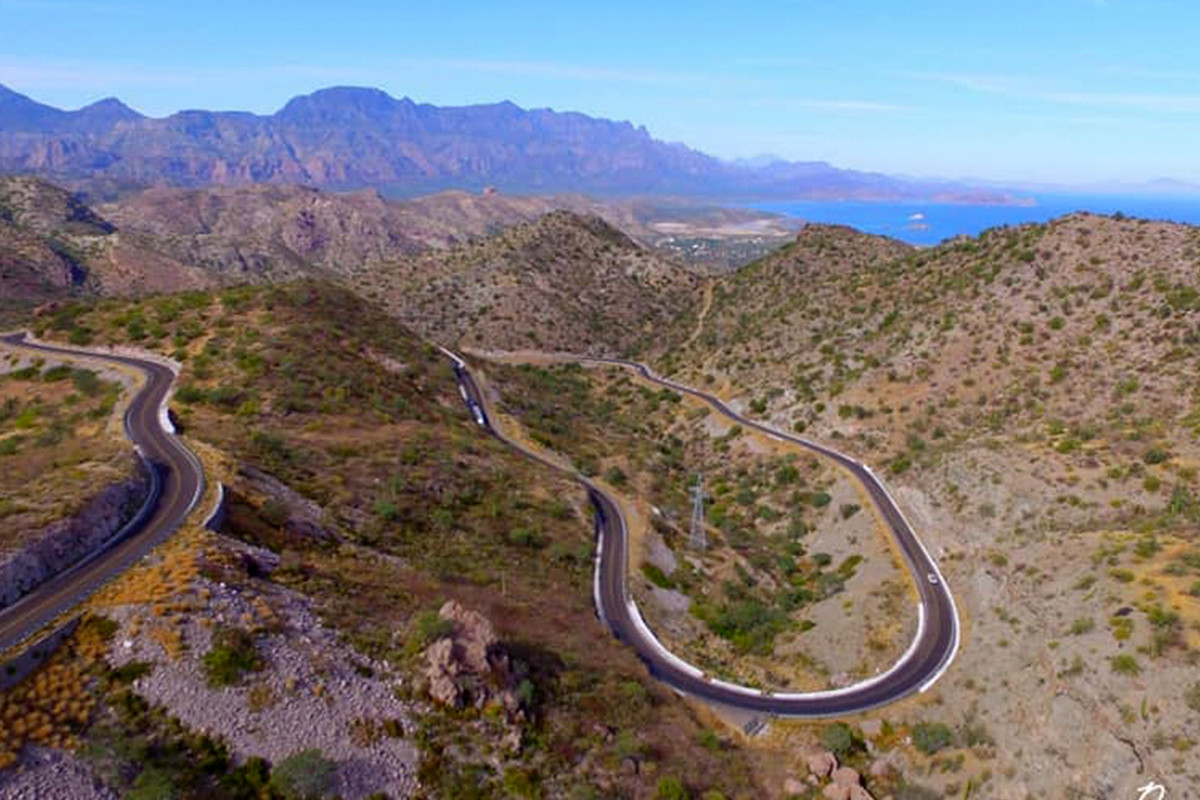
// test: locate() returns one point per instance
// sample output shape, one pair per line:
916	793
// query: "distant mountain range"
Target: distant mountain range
349	138
1158	187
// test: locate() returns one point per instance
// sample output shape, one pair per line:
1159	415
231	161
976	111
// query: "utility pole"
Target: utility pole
699	538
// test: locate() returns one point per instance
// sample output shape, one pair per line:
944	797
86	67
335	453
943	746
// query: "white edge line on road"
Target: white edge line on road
596	578
458	362
216	508
164	416
663	652
929	682
164	420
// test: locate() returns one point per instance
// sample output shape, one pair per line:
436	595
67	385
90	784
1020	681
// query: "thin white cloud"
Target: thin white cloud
23	75
866	106
851	105
775	62
582	73
61	6
1023	87
1170	103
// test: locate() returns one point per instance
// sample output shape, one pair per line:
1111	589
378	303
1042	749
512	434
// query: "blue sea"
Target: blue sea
930	223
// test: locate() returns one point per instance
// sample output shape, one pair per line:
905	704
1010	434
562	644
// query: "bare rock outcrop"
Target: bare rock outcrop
469	666
820	762
297	517
835	791
883	767
845	776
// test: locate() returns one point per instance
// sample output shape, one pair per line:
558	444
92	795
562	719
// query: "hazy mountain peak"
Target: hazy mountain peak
108	109
19	112
360	99
347	137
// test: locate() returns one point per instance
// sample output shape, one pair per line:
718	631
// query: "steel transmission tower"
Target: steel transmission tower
699	538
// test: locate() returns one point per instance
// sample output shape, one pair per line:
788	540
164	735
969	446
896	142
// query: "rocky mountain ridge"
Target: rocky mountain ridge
352	137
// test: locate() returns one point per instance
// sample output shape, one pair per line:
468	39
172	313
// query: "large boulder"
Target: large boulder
469	666
442	672
845	776
871	727
475	640
836	792
793	786
820	762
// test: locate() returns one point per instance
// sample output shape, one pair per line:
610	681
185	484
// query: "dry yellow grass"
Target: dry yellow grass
52	706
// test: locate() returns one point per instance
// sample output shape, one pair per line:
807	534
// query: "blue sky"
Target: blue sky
1053	90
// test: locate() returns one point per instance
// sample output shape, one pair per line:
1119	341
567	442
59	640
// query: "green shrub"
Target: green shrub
250	780
787	475
1191	697
519	783
671	788
1125	664
232	655
86	382
152	784
387	509
526	537
747	623
1122	575
303	776
1082	626
56	373
656	576
1156	455
839	739
427	628
931	737
128	673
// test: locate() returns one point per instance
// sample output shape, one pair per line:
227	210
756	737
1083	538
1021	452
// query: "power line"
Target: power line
699	537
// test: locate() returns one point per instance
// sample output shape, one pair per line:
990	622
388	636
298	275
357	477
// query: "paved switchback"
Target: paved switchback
927	658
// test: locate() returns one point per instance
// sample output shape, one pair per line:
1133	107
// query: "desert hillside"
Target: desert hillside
262	230
274	231
1069	322
564	282
53	245
1030	396
318	625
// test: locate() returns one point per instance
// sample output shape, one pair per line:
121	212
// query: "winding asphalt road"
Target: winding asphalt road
177	485
927	658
